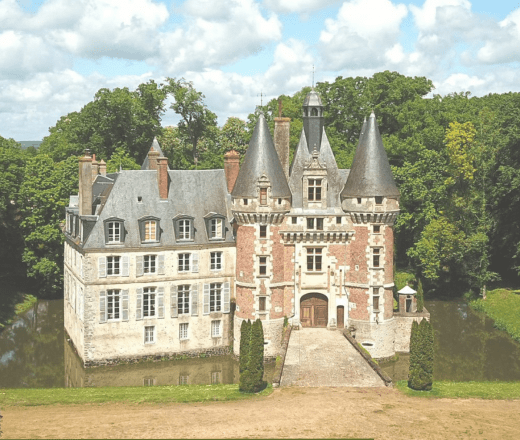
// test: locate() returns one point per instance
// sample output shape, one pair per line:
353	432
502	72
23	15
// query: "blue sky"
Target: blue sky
55	54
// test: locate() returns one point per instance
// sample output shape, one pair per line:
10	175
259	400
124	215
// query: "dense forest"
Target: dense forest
455	158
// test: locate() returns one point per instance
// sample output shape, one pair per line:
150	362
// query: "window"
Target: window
262	266
216	261
294	220
149	264
185	229
376	229
338	220
113	266
215	329
263	196
149	334
183	331
279	201
375	257
149	302
215	298
314	190
215	228
379	200
314	111
184	262
359	200
139	199
114	232
314	259
150	230
113	304
375	298
246	202
263	231
183	299
315	223
261	304
183	380
215	377
148	382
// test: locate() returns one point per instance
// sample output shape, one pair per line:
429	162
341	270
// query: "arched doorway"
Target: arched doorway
314	310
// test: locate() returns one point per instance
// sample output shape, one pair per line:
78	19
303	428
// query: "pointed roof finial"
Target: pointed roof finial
313	76
261	94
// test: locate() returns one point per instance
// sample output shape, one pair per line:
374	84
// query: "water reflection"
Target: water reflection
467	347
35	354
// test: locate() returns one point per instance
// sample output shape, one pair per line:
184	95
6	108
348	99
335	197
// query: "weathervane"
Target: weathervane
313	76
261	96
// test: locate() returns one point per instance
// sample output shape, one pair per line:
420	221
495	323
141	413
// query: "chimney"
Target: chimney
281	141
95	168
102	168
231	168
162	176
85	184
153	155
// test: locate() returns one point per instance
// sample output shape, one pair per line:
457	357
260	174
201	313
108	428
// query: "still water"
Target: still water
34	353
467	347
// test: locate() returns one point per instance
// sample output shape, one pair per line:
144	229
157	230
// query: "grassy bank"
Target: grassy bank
160	394
466	390
503	306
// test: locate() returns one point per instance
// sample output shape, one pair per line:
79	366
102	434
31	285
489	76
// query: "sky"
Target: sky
56	54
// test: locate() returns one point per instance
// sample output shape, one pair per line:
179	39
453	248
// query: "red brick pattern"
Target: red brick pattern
244	302
245	251
358	256
360	298
277	255
277	300
389	254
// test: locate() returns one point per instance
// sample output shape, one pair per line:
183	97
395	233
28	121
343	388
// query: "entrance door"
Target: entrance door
314	310
341	317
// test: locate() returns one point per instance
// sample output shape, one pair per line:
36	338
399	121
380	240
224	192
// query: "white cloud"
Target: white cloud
361	34
503	46
300	6
428	16
237	30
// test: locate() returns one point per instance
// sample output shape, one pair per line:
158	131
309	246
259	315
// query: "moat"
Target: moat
34	353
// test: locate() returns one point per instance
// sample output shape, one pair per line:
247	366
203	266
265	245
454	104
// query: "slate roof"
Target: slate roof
261	158
195	193
313	99
370	174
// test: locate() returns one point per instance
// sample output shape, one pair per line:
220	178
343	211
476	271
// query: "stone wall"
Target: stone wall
403	328
378	339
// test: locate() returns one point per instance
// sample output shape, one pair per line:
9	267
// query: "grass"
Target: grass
503	306
465	390
159	394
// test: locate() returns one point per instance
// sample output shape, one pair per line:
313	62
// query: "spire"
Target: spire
313	119
261	159
370	174
155	147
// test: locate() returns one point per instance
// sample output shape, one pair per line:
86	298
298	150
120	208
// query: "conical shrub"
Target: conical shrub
420	297
420	375
245	354
256	357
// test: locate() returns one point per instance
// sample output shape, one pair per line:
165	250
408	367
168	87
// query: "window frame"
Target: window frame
184	331
376	257
378	200
378	231
187	222
150	294
262	232
185	257
262	197
111	261
314	259
314	189
212	220
121	234
216	323
143	226
262	303
149	256
263	262
216	297
217	264
111	294
315	223
183	299
149	330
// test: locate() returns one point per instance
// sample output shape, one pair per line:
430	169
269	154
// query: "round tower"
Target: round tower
260	199
371	199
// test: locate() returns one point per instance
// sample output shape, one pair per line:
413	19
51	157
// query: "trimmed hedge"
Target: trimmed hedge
420	375
252	357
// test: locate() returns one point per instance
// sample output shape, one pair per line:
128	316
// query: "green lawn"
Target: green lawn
503	306
160	394
465	390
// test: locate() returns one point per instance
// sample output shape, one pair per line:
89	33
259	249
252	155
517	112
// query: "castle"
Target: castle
161	261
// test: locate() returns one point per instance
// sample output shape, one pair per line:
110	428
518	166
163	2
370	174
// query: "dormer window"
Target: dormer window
379	200
184	228
114	231
215	226
149	229
263	196
314	190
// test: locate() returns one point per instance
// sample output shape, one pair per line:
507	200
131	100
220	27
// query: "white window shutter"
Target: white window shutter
139	266
173	301
125	305
139	304
125	271
195	262
206	299
160	269
102	267
160	302
226	297
194	292
102	306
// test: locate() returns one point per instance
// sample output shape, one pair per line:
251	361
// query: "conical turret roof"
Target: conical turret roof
370	174
156	147
261	158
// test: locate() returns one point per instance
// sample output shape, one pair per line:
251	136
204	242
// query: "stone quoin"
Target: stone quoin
161	262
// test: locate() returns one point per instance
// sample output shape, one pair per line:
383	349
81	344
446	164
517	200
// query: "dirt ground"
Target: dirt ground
379	413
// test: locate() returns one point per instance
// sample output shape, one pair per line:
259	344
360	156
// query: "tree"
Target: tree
121	159
196	119
256	357
420	296
234	136
43	196
245	342
420	376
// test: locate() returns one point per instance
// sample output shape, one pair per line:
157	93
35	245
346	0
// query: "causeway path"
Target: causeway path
317	357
